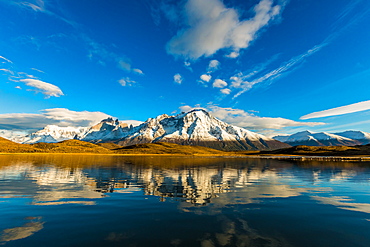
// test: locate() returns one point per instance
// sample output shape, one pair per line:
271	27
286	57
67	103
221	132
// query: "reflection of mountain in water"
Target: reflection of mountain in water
57	183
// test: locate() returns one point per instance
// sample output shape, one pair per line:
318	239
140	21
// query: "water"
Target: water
76	200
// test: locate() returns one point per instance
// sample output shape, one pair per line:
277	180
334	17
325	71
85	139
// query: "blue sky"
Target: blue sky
272	66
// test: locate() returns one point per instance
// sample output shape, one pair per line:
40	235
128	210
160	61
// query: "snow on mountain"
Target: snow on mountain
107	129
196	127
360	136
14	136
318	139
52	133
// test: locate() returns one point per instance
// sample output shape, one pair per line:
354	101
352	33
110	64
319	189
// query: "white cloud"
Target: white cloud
361	106
242	83
219	83
138	71
246	120
211	26
213	66
103	55
132	122
58	116
187	108
36	5
233	54
127	82
49	90
40	71
205	77
7	60
225	91
7	71
178	78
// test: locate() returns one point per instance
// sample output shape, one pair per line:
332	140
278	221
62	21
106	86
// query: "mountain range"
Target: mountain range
197	127
347	138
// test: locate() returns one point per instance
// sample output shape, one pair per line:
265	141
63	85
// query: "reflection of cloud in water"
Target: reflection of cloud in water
238	233
344	202
48	185
21	232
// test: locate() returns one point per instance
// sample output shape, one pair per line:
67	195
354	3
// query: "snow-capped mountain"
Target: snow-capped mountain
107	129
196	127
52	133
362	137
347	138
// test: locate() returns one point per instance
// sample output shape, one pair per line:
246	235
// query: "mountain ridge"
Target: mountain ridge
196	127
346	138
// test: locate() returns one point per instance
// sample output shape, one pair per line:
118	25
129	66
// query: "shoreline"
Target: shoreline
265	156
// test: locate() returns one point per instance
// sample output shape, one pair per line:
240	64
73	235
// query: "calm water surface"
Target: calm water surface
177	201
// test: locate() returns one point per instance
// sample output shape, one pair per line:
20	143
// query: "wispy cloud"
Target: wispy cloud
240	82
48	89
138	71
211	26
247	120
34	83
357	107
7	71
40	71
41	6
58	116
5	59
127	82
103	55
178	78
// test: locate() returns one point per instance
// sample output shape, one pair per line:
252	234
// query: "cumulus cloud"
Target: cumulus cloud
225	91
219	83
57	116
233	54
127	82
213	66
357	107
49	90
211	26
205	77
178	78
246	120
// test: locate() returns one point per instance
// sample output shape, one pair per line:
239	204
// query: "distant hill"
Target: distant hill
308	138
76	146
360	150
69	146
168	148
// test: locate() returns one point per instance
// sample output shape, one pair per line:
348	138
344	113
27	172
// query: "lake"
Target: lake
73	200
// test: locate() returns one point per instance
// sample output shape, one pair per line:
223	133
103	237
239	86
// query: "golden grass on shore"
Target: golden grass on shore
171	149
